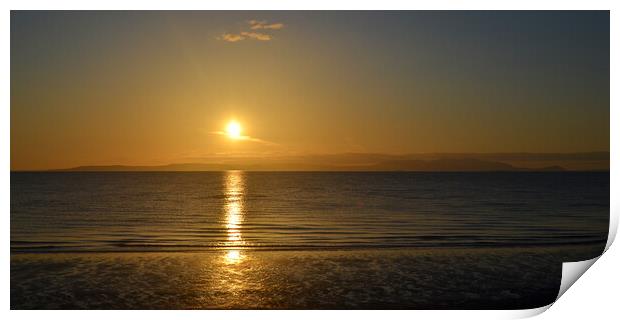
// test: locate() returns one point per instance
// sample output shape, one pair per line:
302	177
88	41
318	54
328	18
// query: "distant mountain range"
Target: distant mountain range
591	161
453	165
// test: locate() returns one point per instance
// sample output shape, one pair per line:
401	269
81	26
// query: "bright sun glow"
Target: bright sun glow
233	130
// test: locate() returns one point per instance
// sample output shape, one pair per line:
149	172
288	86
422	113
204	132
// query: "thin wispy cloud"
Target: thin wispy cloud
257	36
231	37
253	35
246	138
255	25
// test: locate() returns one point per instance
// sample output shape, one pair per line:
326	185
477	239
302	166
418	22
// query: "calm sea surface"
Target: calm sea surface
202	211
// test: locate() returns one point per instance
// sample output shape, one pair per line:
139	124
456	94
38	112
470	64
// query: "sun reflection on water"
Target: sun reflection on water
234	192
233	257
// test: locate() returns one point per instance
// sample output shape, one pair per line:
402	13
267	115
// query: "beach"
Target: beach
442	278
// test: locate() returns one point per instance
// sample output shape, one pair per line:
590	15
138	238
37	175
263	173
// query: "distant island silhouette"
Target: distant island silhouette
453	165
418	166
423	162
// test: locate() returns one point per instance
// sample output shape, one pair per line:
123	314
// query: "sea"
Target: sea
109	240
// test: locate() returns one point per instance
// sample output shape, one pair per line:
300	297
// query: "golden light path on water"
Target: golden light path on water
234	188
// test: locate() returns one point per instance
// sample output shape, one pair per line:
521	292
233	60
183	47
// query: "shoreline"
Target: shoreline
440	249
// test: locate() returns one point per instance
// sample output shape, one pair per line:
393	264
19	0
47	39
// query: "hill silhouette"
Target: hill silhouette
313	164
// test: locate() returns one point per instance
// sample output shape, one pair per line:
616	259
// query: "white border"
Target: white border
603	290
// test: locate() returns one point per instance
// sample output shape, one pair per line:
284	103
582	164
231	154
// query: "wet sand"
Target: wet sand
458	278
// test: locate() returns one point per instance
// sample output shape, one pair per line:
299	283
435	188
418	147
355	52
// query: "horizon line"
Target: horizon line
362	165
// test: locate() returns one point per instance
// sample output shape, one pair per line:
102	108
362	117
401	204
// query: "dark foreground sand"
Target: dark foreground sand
505	278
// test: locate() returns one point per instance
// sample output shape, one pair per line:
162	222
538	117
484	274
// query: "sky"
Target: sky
153	88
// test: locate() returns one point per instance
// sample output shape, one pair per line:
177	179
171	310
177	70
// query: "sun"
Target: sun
233	130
